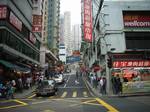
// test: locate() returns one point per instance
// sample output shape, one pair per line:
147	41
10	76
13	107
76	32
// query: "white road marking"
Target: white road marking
85	94
72	87
64	95
74	94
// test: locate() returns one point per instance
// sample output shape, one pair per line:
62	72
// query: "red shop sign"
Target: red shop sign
32	38
15	21
132	63
88	20
3	12
37	23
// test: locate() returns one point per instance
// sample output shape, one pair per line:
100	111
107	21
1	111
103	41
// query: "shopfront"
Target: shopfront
134	71
133	66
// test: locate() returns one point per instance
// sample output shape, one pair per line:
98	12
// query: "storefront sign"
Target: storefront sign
3	12
37	23
88	20
136	20
15	21
76	53
138	63
32	38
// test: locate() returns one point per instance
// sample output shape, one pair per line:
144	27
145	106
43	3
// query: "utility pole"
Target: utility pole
108	72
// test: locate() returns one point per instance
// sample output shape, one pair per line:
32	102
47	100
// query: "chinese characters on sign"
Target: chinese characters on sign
88	20
15	21
3	12
32	38
138	63
37	23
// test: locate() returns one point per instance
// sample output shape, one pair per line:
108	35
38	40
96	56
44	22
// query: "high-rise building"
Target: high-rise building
67	32
61	29
53	25
76	37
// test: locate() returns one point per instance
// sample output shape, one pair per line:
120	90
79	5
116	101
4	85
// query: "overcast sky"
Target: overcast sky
74	6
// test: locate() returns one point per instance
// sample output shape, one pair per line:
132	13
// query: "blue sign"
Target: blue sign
72	59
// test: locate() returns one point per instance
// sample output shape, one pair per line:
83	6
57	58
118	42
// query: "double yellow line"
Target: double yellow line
13	106
106	105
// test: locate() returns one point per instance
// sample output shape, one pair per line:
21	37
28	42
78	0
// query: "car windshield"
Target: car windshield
46	83
51	82
56	76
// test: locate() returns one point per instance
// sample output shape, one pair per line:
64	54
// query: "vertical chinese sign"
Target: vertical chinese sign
88	20
37	16
3	12
37	23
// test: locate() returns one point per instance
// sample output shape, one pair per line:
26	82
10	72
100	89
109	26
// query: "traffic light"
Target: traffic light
109	63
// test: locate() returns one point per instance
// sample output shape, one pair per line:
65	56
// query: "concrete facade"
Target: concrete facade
22	11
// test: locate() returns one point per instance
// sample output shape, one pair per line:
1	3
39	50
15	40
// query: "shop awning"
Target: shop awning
7	64
15	67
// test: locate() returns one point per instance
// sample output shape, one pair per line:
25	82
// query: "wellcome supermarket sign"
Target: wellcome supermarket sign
137	24
136	20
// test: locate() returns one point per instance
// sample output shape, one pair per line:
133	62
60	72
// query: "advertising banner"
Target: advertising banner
3	12
88	20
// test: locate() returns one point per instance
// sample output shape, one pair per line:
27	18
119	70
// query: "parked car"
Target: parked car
59	78
47	87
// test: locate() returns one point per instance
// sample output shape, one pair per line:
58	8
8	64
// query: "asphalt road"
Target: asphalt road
73	97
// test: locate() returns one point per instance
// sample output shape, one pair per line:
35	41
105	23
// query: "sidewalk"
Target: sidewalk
97	93
25	93
94	90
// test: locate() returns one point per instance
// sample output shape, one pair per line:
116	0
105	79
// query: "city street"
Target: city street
45	46
74	97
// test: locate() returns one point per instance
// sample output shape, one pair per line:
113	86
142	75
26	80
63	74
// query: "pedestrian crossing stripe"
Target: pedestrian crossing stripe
64	95
85	94
74	94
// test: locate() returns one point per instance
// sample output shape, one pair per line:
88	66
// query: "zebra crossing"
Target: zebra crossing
65	94
75	94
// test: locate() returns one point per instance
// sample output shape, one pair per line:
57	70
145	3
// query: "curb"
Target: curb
25	93
93	89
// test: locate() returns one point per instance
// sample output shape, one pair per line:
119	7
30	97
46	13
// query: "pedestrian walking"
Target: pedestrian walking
119	84
9	90
114	84
104	85
20	84
77	75
101	85
95	81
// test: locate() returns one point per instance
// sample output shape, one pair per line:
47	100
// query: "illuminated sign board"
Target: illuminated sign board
132	63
